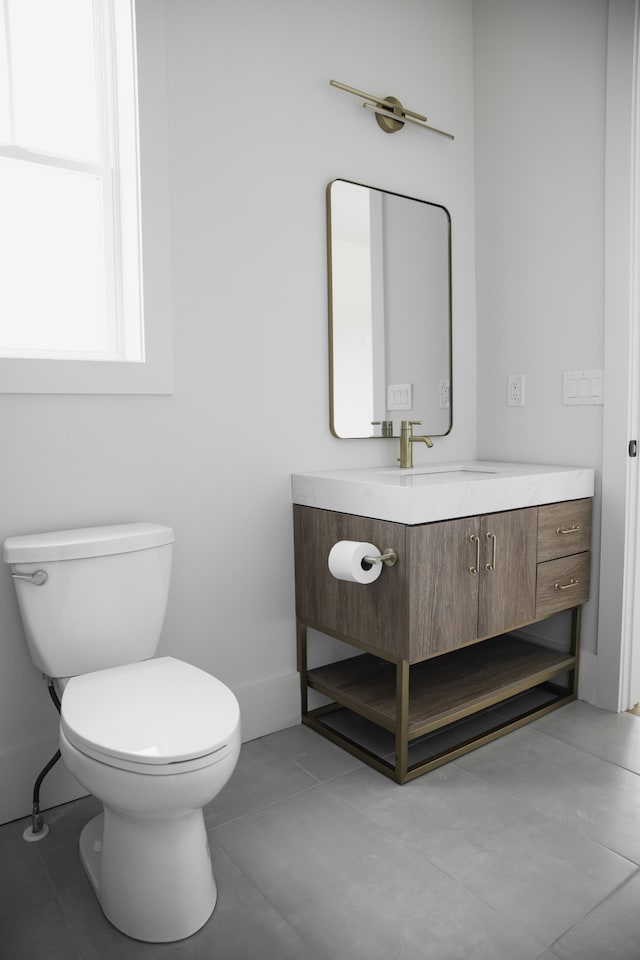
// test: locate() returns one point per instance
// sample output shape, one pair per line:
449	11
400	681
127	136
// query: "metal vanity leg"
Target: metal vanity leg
302	666
402	719
576	619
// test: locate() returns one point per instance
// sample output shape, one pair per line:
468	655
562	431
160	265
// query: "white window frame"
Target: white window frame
153	372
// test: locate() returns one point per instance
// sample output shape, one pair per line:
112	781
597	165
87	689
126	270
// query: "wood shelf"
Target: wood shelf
443	689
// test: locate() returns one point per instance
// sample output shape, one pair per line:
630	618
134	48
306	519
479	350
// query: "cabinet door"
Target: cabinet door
443	595
507	596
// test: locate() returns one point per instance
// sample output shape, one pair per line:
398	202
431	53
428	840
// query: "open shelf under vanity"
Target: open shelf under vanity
454	703
444	666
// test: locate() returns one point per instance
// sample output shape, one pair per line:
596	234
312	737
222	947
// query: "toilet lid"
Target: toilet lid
155	712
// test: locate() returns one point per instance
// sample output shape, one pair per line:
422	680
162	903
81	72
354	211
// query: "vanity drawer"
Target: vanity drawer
562	584
563	529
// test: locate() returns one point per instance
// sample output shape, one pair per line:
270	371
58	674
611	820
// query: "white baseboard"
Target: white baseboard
269	705
587	674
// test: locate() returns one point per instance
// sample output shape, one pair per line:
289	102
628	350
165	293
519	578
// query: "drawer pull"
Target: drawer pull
492	565
474	539
574	528
566	586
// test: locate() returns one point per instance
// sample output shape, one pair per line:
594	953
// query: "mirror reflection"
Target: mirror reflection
389	312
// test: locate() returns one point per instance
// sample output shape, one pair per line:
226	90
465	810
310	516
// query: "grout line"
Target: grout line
61	907
597	906
584	750
266	898
265	806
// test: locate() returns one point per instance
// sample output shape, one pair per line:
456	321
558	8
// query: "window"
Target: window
71	288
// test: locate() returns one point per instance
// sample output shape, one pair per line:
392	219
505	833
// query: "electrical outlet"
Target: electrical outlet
515	390
445	401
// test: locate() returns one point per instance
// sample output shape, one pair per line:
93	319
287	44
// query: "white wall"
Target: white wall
540	83
255	134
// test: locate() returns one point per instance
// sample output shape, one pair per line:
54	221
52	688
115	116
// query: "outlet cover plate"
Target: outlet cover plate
515	390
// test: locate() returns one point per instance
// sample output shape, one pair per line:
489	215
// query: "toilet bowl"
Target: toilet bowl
154	741
153	738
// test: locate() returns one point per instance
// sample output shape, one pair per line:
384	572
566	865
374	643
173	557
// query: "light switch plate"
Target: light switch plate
582	387
400	396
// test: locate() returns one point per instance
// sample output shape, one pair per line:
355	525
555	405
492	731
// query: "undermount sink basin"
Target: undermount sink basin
466	473
442	491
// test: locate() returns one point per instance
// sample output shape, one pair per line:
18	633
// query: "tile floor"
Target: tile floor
526	849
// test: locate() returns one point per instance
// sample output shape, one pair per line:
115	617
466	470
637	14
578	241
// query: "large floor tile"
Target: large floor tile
320	858
600	800
95	938
612	736
262	776
610	932
244	926
352	893
529	867
314	753
23	878
38	933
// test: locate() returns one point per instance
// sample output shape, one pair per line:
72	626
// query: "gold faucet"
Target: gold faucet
407	440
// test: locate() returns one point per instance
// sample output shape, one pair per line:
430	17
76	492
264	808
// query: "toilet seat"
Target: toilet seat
160	716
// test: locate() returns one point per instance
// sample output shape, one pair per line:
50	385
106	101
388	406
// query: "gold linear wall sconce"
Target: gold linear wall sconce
390	113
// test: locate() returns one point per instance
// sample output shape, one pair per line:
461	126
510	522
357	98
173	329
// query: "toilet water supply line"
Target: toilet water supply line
39	828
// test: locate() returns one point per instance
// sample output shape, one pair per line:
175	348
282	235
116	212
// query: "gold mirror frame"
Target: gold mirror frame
389	280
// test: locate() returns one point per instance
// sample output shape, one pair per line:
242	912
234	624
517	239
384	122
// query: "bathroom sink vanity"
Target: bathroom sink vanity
484	549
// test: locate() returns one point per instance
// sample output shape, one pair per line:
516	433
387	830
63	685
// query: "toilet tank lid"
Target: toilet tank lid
86	542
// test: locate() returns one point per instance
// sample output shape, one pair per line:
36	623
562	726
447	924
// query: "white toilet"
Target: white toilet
153	739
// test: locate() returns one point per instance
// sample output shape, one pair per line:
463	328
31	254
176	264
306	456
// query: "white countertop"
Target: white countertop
442	491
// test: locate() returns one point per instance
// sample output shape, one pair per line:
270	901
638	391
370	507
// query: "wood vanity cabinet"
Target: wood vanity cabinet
457	582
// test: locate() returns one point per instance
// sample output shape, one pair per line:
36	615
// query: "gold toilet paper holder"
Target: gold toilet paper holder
388	556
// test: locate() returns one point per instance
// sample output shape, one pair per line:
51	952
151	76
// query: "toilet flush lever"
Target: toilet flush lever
37	578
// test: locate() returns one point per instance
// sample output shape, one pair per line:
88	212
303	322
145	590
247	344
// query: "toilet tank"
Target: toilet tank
104	597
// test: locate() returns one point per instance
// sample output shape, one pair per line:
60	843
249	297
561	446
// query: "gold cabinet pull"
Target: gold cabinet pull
574	528
566	586
492	564
474	539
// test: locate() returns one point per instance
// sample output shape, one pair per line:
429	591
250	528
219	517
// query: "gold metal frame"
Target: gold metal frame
387	431
401	771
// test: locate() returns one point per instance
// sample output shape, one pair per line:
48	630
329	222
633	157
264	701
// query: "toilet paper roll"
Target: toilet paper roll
345	561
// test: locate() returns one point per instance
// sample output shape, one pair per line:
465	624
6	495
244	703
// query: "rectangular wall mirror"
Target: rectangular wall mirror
389	267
